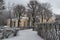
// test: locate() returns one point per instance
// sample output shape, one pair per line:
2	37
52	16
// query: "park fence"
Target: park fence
49	31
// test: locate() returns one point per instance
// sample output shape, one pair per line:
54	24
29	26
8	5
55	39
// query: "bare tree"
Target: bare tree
39	9
33	6
10	13
19	9
46	11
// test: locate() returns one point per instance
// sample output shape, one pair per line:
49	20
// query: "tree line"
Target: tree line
34	10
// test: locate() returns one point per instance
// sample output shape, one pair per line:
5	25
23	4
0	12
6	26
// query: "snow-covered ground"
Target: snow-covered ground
26	35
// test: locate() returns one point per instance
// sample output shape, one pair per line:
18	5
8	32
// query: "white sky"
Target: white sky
55	3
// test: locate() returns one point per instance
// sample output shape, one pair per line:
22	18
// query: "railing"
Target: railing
49	31
7	32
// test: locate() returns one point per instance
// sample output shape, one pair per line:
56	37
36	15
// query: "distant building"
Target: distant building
23	21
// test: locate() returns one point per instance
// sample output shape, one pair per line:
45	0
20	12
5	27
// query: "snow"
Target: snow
26	35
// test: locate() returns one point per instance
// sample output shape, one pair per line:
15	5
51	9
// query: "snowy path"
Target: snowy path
26	35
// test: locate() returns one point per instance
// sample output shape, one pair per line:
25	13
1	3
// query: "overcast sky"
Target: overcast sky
55	3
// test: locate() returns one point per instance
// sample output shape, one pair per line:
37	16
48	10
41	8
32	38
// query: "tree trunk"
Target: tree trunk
42	18
33	23
10	22
47	19
19	21
29	22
